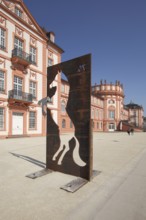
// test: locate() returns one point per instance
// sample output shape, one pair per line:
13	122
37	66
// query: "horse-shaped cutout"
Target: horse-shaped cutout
64	143
64	147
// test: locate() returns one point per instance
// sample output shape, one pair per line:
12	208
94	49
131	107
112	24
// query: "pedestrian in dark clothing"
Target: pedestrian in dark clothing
132	131
128	131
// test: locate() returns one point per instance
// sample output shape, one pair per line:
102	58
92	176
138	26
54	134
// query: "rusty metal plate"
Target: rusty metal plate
59	155
74	185
39	173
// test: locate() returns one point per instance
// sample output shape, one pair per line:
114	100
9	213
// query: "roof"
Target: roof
28	20
133	106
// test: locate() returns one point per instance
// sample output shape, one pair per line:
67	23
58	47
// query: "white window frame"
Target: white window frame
18	83
32	88
1	119
18	44
2	81
18	86
33	53
32	120
111	126
111	114
2	39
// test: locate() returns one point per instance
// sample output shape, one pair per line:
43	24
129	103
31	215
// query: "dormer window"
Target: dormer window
18	12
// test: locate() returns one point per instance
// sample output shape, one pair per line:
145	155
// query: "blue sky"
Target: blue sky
113	31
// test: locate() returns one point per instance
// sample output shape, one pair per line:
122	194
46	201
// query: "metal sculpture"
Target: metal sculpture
59	154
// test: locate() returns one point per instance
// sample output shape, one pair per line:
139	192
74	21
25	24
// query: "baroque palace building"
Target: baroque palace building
26	50
108	112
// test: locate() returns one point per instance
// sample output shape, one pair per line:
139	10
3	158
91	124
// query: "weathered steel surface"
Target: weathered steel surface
39	173
77	183
74	185
78	73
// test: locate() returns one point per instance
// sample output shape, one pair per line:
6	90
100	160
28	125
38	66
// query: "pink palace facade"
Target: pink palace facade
108	112
26	50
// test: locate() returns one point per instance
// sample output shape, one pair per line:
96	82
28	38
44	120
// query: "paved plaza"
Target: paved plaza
117	193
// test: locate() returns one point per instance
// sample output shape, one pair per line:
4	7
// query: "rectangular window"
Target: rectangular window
111	126
1	119
18	87
111	114
18	12
18	44
18	83
33	55
2	81
32	89
32	120
2	39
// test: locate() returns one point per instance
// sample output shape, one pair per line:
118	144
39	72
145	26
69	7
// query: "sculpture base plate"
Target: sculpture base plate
74	185
77	183
39	173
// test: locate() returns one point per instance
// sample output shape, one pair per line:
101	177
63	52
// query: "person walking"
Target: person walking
132	131
128	131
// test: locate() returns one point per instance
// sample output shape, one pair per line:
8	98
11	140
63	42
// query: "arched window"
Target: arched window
111	114
63	123
63	106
